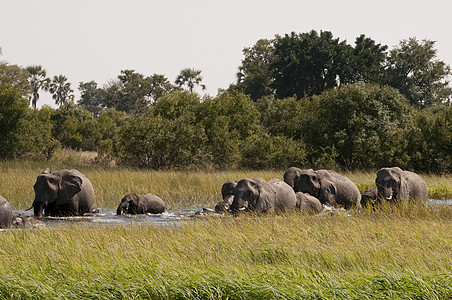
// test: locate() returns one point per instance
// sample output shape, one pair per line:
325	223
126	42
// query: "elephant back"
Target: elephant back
6	212
417	187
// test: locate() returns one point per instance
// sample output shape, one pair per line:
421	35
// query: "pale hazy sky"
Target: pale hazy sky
96	39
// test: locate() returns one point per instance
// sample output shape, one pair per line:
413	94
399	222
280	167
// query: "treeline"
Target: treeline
306	100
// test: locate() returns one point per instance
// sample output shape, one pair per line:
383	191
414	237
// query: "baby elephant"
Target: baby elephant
141	204
308	204
227	193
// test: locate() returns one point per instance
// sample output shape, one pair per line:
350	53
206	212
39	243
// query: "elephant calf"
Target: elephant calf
227	193
141	204
308	204
369	197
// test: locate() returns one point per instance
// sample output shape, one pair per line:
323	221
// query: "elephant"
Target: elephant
263	196
369	197
307	203
62	193
329	187
6	213
141	204
227	193
21	221
292	175
396	184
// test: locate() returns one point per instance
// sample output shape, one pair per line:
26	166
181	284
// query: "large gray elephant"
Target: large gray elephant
141	204
227	193
329	187
6	213
395	184
308	204
263	196
62	193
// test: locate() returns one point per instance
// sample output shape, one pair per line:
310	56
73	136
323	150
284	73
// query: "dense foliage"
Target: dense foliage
307	100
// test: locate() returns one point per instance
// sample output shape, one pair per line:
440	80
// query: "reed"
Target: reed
376	255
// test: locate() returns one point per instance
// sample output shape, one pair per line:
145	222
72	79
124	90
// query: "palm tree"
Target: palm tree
191	78
61	90
38	80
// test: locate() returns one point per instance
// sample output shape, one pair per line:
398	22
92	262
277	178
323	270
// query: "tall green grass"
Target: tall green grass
366	256
177	188
399	251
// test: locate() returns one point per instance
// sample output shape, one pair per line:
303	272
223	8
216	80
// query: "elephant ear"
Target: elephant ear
267	194
71	185
403	185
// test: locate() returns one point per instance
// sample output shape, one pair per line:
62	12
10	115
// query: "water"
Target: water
167	218
109	217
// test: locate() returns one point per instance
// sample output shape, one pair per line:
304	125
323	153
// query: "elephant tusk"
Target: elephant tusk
242	208
389	197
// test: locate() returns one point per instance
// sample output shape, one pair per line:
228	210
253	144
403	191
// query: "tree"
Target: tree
369	60
38	80
91	97
190	78
15	76
308	64
255	77
362	125
159	86
61	90
414	70
12	111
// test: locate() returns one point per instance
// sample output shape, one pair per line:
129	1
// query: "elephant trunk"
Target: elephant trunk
123	207
38	208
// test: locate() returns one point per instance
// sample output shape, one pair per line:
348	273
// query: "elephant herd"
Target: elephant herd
69	192
310	190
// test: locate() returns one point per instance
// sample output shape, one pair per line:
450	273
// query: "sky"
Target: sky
88	40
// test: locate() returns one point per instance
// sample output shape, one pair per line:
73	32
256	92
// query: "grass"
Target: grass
177	189
396	252
371	256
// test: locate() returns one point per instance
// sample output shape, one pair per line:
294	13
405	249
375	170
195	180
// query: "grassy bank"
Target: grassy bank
177	189
394	253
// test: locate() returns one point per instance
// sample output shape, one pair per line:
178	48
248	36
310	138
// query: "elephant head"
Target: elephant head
291	176
309	182
129	204
391	183
51	186
251	194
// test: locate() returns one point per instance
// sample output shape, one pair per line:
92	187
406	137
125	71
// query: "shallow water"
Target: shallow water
167	218
109	217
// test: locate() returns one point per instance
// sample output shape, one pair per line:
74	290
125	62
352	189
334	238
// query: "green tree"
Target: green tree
414	70
255	77
228	120
361	125
430	140
61	90
264	151
38	80
15	76
12	110
91	97
309	63
159	86
369	60
190	78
